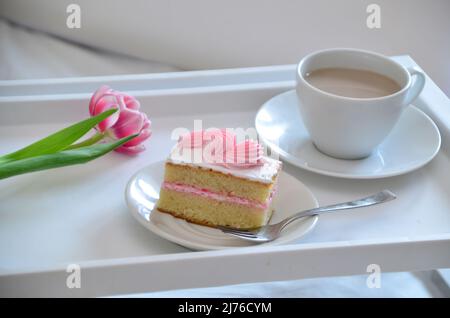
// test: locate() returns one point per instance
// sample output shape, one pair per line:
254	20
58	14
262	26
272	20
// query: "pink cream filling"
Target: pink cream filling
178	187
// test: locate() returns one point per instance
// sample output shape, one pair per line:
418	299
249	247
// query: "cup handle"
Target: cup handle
418	78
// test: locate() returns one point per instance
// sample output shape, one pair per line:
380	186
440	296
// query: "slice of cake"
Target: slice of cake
230	184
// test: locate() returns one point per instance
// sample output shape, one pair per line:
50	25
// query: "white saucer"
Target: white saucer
414	141
142	193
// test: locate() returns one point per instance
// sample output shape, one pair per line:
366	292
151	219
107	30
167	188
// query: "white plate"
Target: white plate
142	193
413	142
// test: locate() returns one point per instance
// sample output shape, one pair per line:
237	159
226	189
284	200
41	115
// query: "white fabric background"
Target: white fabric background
30	54
204	34
392	285
26	54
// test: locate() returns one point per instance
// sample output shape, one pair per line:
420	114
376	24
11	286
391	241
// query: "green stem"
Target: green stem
88	142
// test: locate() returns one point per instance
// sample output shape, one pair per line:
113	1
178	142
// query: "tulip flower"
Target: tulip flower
128	120
114	115
57	150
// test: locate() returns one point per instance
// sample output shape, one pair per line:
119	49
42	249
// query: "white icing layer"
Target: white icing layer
193	157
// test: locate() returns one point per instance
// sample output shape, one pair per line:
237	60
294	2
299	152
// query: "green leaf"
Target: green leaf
59	159
93	140
59	140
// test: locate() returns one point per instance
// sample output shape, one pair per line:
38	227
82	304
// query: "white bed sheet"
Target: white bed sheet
204	34
26	54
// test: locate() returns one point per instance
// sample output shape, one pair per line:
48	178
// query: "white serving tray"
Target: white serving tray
77	215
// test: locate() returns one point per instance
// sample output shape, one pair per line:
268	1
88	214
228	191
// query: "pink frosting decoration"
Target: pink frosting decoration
128	120
225	150
178	187
245	155
198	139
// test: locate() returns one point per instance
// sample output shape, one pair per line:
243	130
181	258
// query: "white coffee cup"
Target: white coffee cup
347	127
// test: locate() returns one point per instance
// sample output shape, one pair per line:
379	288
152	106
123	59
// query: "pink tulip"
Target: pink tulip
128	120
